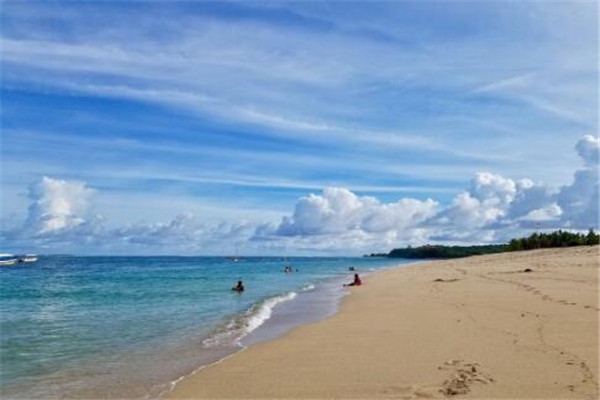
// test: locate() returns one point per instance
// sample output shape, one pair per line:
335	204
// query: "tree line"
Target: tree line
555	239
536	240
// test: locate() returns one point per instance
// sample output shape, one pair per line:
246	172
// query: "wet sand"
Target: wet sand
478	327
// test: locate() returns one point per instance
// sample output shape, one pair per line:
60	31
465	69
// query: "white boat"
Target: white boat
29	258
235	257
8	259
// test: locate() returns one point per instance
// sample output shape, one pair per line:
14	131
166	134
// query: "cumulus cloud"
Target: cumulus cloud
57	205
59	217
468	211
493	189
580	200
338	210
185	233
493	208
529	197
588	149
551	212
338	219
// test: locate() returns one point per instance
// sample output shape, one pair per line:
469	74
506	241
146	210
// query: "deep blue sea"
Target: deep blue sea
128	327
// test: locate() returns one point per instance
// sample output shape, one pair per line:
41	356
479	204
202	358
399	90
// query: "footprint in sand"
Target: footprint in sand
464	375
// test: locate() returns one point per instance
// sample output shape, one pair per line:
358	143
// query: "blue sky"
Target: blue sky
232	113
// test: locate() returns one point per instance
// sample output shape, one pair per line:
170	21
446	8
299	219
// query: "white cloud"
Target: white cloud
338	210
59	218
551	212
488	187
484	203
469	212
580	200
287	80
588	149
494	208
185	233
57	205
530	196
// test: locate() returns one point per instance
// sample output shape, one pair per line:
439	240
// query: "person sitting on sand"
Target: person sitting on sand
357	281
239	288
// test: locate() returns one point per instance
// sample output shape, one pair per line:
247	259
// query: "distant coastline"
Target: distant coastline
558	238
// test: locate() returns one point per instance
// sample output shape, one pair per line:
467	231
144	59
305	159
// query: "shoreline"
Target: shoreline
435	329
172	318
323	305
264	333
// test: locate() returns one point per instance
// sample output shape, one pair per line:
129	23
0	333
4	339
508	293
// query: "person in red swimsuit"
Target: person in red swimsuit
357	281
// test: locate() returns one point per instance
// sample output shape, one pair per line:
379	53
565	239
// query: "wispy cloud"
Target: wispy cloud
261	102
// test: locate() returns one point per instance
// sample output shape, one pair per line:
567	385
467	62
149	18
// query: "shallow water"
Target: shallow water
127	326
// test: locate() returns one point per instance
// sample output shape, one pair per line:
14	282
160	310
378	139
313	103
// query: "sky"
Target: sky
308	127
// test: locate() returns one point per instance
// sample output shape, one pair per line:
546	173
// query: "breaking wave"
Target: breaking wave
242	325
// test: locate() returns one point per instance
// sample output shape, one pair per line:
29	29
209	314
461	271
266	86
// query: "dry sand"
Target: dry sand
478	327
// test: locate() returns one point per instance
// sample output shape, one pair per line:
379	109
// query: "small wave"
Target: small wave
241	326
265	310
307	288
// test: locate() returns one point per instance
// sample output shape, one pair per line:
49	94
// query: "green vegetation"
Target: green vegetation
446	251
535	241
554	239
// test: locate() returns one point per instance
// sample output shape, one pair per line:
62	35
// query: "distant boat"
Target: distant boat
29	258
235	257
8	259
11	259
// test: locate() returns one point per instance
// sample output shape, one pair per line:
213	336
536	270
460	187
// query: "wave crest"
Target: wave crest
241	326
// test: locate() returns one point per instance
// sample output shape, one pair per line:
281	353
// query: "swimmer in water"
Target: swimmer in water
239	288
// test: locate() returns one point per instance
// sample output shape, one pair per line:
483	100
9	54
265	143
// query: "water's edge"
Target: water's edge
312	304
135	327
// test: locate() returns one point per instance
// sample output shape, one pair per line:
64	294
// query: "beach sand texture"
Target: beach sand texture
477	327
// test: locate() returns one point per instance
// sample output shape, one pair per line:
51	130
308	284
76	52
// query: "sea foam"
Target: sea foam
254	317
308	288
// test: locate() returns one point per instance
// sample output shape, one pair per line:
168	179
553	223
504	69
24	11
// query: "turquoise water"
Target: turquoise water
127	326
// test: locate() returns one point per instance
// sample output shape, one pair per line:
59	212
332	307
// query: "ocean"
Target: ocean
131	327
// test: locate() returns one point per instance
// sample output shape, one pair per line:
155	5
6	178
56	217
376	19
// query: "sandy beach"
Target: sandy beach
512	325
